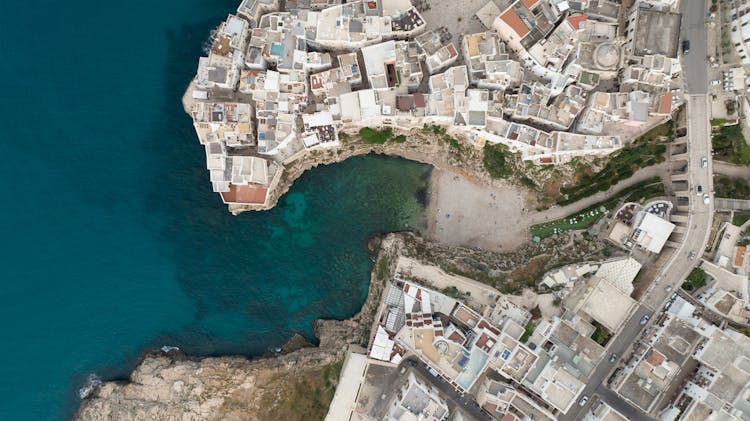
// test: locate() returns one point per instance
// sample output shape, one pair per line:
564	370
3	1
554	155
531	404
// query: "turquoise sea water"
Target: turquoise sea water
113	242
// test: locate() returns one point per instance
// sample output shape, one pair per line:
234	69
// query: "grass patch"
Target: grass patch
718	122
740	217
303	397
399	139
382	270
729	145
731	188
695	280
527	331
578	221
375	137
527	182
645	151
494	160
740	328
453	292
601	335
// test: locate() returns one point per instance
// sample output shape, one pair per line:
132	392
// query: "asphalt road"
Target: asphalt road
693	28
700	214
695	69
596	385
468	406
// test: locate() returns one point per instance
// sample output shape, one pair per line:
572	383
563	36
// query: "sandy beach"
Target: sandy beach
462	212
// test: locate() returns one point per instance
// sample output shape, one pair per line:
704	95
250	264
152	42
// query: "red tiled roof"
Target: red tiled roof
512	19
665	104
740	256
575	21
656	358
452	50
251	194
529	3
419	100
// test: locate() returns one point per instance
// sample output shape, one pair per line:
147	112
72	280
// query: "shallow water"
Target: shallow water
115	244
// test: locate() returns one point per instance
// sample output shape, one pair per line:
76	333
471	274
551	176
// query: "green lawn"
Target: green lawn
527	331
578	221
729	145
716	122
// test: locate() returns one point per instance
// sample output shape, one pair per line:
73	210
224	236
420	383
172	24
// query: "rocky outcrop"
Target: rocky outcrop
172	386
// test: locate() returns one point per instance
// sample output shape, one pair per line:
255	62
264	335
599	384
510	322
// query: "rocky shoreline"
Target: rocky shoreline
420	146
172	385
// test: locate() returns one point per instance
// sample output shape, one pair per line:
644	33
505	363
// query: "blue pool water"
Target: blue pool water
113	241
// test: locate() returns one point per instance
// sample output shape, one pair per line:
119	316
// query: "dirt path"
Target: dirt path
731	170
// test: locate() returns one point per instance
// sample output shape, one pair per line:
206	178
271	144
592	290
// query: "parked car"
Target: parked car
685	47
704	162
716	82
645	319
583	400
706	199
699	189
613	358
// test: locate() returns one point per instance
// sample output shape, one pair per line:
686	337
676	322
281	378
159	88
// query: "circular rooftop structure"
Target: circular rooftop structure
607	55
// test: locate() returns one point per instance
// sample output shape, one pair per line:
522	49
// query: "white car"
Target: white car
706	199
704	162
583	400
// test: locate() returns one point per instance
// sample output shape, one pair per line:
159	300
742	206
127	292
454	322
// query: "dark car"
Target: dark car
685	46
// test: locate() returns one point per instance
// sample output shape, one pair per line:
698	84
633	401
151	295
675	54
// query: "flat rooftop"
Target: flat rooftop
656	33
608	305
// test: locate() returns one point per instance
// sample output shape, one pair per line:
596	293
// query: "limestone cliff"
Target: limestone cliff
296	385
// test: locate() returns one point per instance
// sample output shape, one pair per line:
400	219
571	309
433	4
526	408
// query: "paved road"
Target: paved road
732	204
466	403
694	30
700	215
699	218
596	385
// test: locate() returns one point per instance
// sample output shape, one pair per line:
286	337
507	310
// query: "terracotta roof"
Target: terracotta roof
656	358
419	100
529	3
452	50
405	102
740	256
512	19
251	194
665	104
575	21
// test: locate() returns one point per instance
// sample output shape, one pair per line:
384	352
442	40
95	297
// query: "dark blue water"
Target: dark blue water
113	242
